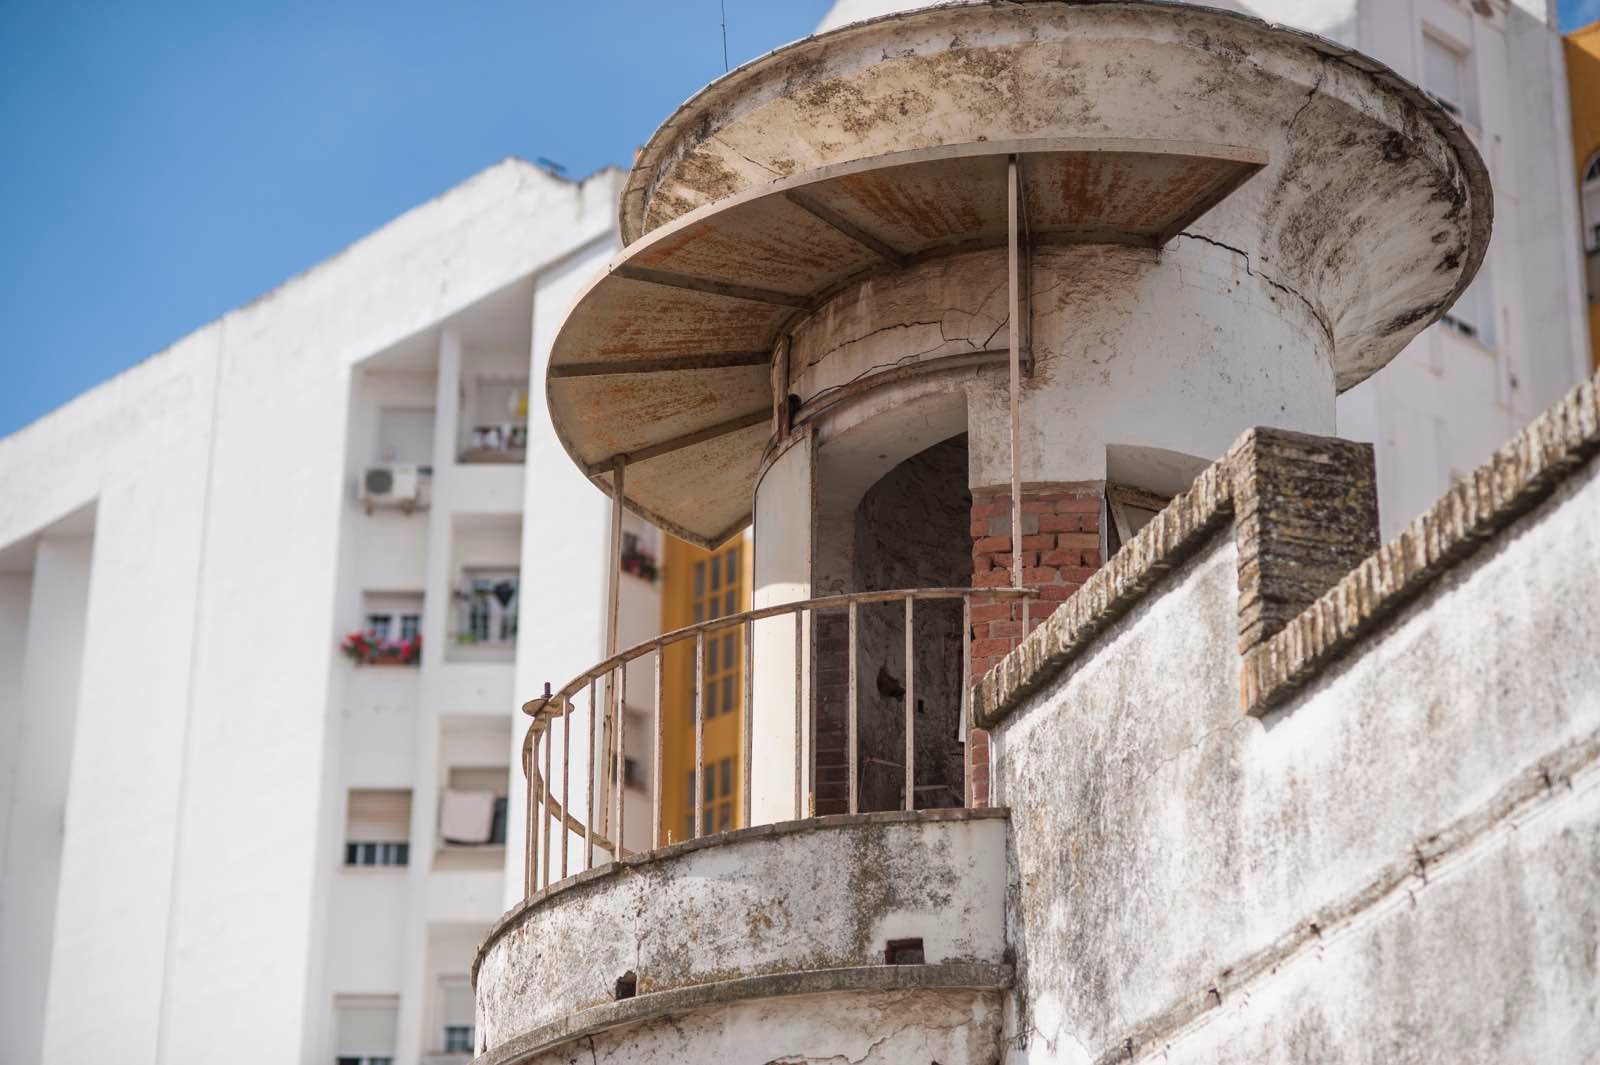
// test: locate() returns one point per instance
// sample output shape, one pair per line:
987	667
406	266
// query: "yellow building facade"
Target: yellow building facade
699	585
1583	84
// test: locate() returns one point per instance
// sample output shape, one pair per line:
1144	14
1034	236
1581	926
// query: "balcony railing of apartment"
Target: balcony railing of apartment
596	698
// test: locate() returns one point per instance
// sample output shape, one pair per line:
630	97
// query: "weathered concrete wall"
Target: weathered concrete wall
1399	861
952	1027
781	899
1227	344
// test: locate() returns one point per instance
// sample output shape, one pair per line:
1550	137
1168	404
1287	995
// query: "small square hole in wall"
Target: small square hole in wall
627	985
903	952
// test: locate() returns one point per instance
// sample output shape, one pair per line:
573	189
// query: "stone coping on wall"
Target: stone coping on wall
677	851
1280	658
865	978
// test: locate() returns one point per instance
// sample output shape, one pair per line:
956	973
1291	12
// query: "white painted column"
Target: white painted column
436	606
35	828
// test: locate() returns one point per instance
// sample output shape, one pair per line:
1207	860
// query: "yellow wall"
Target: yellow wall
699	585
1583	83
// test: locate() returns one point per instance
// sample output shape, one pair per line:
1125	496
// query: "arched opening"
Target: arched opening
911	531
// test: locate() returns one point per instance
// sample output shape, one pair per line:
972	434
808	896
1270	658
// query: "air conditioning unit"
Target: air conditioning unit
403	487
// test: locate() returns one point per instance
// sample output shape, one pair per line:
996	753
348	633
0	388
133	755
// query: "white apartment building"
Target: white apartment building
1516	340
219	830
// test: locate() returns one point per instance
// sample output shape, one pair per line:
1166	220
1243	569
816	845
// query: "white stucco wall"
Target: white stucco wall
196	866
1399	858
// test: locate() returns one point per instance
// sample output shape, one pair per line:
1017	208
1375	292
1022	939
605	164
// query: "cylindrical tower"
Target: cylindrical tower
953	300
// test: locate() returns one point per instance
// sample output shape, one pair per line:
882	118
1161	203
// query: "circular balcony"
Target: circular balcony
729	944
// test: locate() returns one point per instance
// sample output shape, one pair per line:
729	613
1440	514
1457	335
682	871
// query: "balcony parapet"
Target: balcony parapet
807	907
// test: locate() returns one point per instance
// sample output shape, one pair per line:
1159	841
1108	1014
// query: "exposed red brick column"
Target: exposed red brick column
1060	550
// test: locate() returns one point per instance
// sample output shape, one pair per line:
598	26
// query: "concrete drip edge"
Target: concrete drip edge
674	851
947	976
1520	474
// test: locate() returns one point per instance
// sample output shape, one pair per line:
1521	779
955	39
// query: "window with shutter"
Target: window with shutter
377	827
365	1028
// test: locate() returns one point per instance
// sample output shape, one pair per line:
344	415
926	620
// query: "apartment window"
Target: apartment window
377	827
1447	76
716	589
489	604
472	810
717	814
1472	315
1590	204
365	1029
455	1009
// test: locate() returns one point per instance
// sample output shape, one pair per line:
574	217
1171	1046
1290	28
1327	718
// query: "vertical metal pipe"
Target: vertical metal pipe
544	815
615	589
535	816
799	714
699	731
911	707
589	804
655	748
529	843
747	770
1014	335
622	757
566	779
851	704
966	699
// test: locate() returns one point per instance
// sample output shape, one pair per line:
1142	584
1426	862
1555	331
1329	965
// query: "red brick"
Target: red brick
1039	542
991	543
1010	630
1039	575
991	509
1063	558
1078	574
979	526
1069	523
1090	541
1078	505
1003	561
987	648
995	578
1057	593
1038	506
987	612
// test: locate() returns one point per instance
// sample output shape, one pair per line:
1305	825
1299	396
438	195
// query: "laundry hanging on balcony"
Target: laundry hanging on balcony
467	816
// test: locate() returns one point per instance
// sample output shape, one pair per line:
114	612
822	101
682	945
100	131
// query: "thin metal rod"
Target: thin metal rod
622	757
911	707
851	703
535	813
655	747
799	713
588	795
828	602
530	840
1014	338
699	731
545	817
566	778
747	670
966	700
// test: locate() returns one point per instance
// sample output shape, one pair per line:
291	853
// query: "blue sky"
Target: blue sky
166	162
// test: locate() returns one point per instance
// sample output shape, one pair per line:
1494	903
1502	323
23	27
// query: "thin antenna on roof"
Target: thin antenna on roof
551	165
724	5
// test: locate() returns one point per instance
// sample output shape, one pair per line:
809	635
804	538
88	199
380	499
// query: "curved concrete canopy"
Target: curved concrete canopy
859	150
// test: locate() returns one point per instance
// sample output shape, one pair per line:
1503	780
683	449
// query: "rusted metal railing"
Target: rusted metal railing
599	696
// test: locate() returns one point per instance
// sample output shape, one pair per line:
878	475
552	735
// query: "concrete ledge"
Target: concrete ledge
1519	475
773	901
1317	610
722	839
727	992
